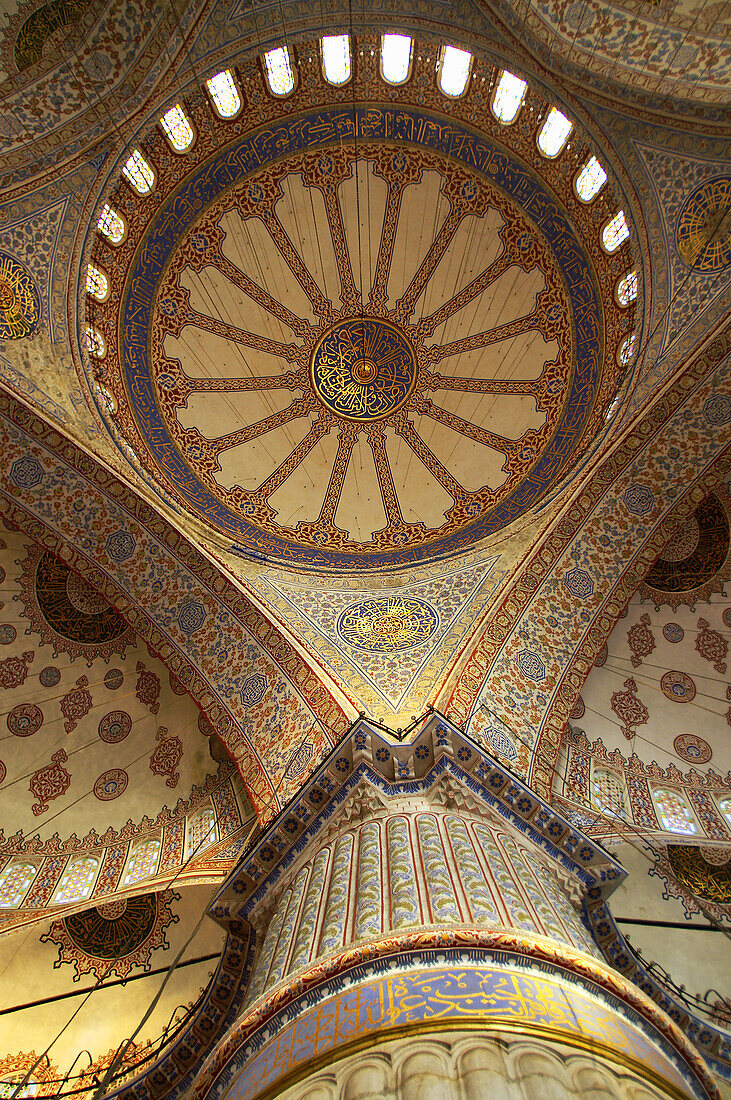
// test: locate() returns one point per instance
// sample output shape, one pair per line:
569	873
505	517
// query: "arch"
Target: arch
673	811
200	832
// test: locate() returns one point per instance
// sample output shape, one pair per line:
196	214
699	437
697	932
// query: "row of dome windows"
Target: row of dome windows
396	57
77	882
454	70
673	812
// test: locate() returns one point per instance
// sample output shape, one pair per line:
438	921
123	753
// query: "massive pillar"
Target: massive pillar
418	931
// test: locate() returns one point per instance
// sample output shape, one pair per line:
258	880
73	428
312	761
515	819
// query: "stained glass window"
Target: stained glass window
224	93
201	832
139	173
77	880
627	288
590	180
97	283
627	350
12	1087
111	224
615	232
554	133
336	63
673	811
724	806
607	792
508	97
94	342
14	883
279	71
143	861
178	129
454	70
396	57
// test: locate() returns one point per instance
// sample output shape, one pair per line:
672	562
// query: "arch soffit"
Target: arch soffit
82	504
519	622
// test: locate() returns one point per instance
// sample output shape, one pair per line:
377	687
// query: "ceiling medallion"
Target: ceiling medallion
363	369
388	624
20	304
361	354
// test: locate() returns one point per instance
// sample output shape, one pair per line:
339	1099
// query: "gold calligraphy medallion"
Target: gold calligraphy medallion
363	369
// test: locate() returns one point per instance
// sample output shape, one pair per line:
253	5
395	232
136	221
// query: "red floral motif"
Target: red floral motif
630	710
712	646
13	670
49	782
148	688
45	1075
640	640
166	757
76	704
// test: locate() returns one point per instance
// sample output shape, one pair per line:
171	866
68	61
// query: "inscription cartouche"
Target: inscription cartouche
363	369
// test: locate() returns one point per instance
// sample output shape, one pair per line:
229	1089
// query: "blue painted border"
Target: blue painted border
389	123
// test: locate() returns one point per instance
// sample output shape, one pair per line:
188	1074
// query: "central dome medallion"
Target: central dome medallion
363	369
363	354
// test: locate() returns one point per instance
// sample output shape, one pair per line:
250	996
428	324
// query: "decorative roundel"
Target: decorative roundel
697	558
67	613
25	720
579	710
601	657
110	932
678	686
111	784
365	407
692	749
363	369
715	855
2	574
388	624
703	233
727	617
115	726
299	762
8	634
20	302
673	632
3	772
49	677
114	679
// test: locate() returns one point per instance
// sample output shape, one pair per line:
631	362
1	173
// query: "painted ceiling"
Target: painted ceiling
368	360
360	440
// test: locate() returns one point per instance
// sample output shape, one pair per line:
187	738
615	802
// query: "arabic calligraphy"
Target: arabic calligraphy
388	624
20	305
363	369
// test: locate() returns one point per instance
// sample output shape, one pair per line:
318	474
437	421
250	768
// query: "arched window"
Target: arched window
97	284
178	129
224	94
554	133
139	173
508	97
94	342
615	232
201	832
607	792
111	225
10	1086
455	67
14	882
143	861
396	50
724	805
673	811
627	288
589	180
336	60
278	71
77	880
627	350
